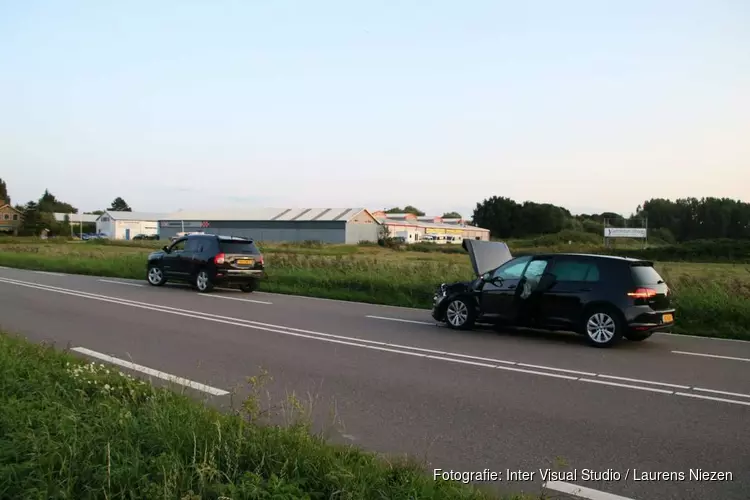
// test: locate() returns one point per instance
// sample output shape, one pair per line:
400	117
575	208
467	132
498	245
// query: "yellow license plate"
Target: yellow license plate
667	318
245	262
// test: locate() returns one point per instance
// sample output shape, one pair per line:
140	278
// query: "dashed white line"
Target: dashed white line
120	282
372	344
581	492
150	371
711	398
234	298
627	386
401	320
49	273
716	356
626	379
725	393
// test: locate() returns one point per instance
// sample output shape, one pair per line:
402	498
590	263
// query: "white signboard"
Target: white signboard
625	232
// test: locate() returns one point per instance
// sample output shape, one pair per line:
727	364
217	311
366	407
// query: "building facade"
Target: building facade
416	229
125	225
326	225
10	218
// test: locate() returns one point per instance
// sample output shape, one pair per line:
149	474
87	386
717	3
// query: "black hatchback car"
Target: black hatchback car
208	260
602	297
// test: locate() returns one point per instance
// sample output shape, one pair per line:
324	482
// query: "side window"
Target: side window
535	269
576	270
178	246
511	269
194	245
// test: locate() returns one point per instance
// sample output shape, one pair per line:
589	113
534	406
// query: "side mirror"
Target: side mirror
487	277
165	248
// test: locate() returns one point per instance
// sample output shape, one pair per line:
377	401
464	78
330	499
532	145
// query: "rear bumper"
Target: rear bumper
238	277
652	321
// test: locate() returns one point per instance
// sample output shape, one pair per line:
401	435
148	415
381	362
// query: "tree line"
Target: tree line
38	215
685	219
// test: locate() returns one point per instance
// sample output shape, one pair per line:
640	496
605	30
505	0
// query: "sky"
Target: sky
595	106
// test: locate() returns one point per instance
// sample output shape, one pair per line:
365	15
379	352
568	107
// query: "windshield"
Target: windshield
239	247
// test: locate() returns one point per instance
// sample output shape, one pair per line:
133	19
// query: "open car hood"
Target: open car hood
486	255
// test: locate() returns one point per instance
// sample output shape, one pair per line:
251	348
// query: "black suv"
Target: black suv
208	260
602	297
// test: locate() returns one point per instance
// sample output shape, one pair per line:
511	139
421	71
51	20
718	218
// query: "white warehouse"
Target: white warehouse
125	225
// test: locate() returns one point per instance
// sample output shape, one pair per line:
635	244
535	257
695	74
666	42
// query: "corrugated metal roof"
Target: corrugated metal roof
429	225
60	217
268	214
149	216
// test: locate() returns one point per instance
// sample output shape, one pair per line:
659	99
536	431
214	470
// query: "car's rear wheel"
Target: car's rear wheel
459	314
155	276
637	336
203	281
603	326
249	287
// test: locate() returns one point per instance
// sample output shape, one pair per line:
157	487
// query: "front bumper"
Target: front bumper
438	312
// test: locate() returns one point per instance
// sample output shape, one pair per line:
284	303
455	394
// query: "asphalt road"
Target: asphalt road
465	401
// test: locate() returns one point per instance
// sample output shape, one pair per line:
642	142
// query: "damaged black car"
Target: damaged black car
604	298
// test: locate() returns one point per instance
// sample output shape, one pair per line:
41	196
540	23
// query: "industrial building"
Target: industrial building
76	219
415	229
327	225
124	225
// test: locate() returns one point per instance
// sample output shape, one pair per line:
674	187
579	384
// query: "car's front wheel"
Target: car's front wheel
155	275
603	327
203	281
460	314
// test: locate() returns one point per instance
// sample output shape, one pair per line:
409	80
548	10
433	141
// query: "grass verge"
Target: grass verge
711	299
77	431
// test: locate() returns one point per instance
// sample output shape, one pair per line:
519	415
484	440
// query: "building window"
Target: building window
6	216
15	216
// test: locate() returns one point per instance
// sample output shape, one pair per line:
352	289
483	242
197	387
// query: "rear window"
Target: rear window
241	247
646	275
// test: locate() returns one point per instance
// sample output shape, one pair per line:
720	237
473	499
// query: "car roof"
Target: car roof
592	256
219	237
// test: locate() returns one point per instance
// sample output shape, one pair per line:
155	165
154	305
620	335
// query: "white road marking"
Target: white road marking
725	393
588	374
120	282
627	386
626	379
733	358
711	398
234	298
150	371
697	337
48	273
358	342
581	492
401	320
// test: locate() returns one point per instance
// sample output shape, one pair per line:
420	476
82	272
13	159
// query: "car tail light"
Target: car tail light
260	260
219	259
643	293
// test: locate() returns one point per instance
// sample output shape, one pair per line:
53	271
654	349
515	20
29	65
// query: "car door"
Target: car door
172	260
498	292
576	279
529	297
191	257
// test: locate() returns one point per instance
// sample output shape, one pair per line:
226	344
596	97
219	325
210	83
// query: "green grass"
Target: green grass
712	299
77	431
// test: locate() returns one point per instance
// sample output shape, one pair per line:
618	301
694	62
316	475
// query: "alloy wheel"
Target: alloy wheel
601	328
457	313
202	281
155	276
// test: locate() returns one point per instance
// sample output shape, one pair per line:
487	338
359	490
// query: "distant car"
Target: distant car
602	297
206	261
146	237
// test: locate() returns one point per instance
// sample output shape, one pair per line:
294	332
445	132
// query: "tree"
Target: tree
97	212
119	205
452	215
31	224
4	193
50	204
408	209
